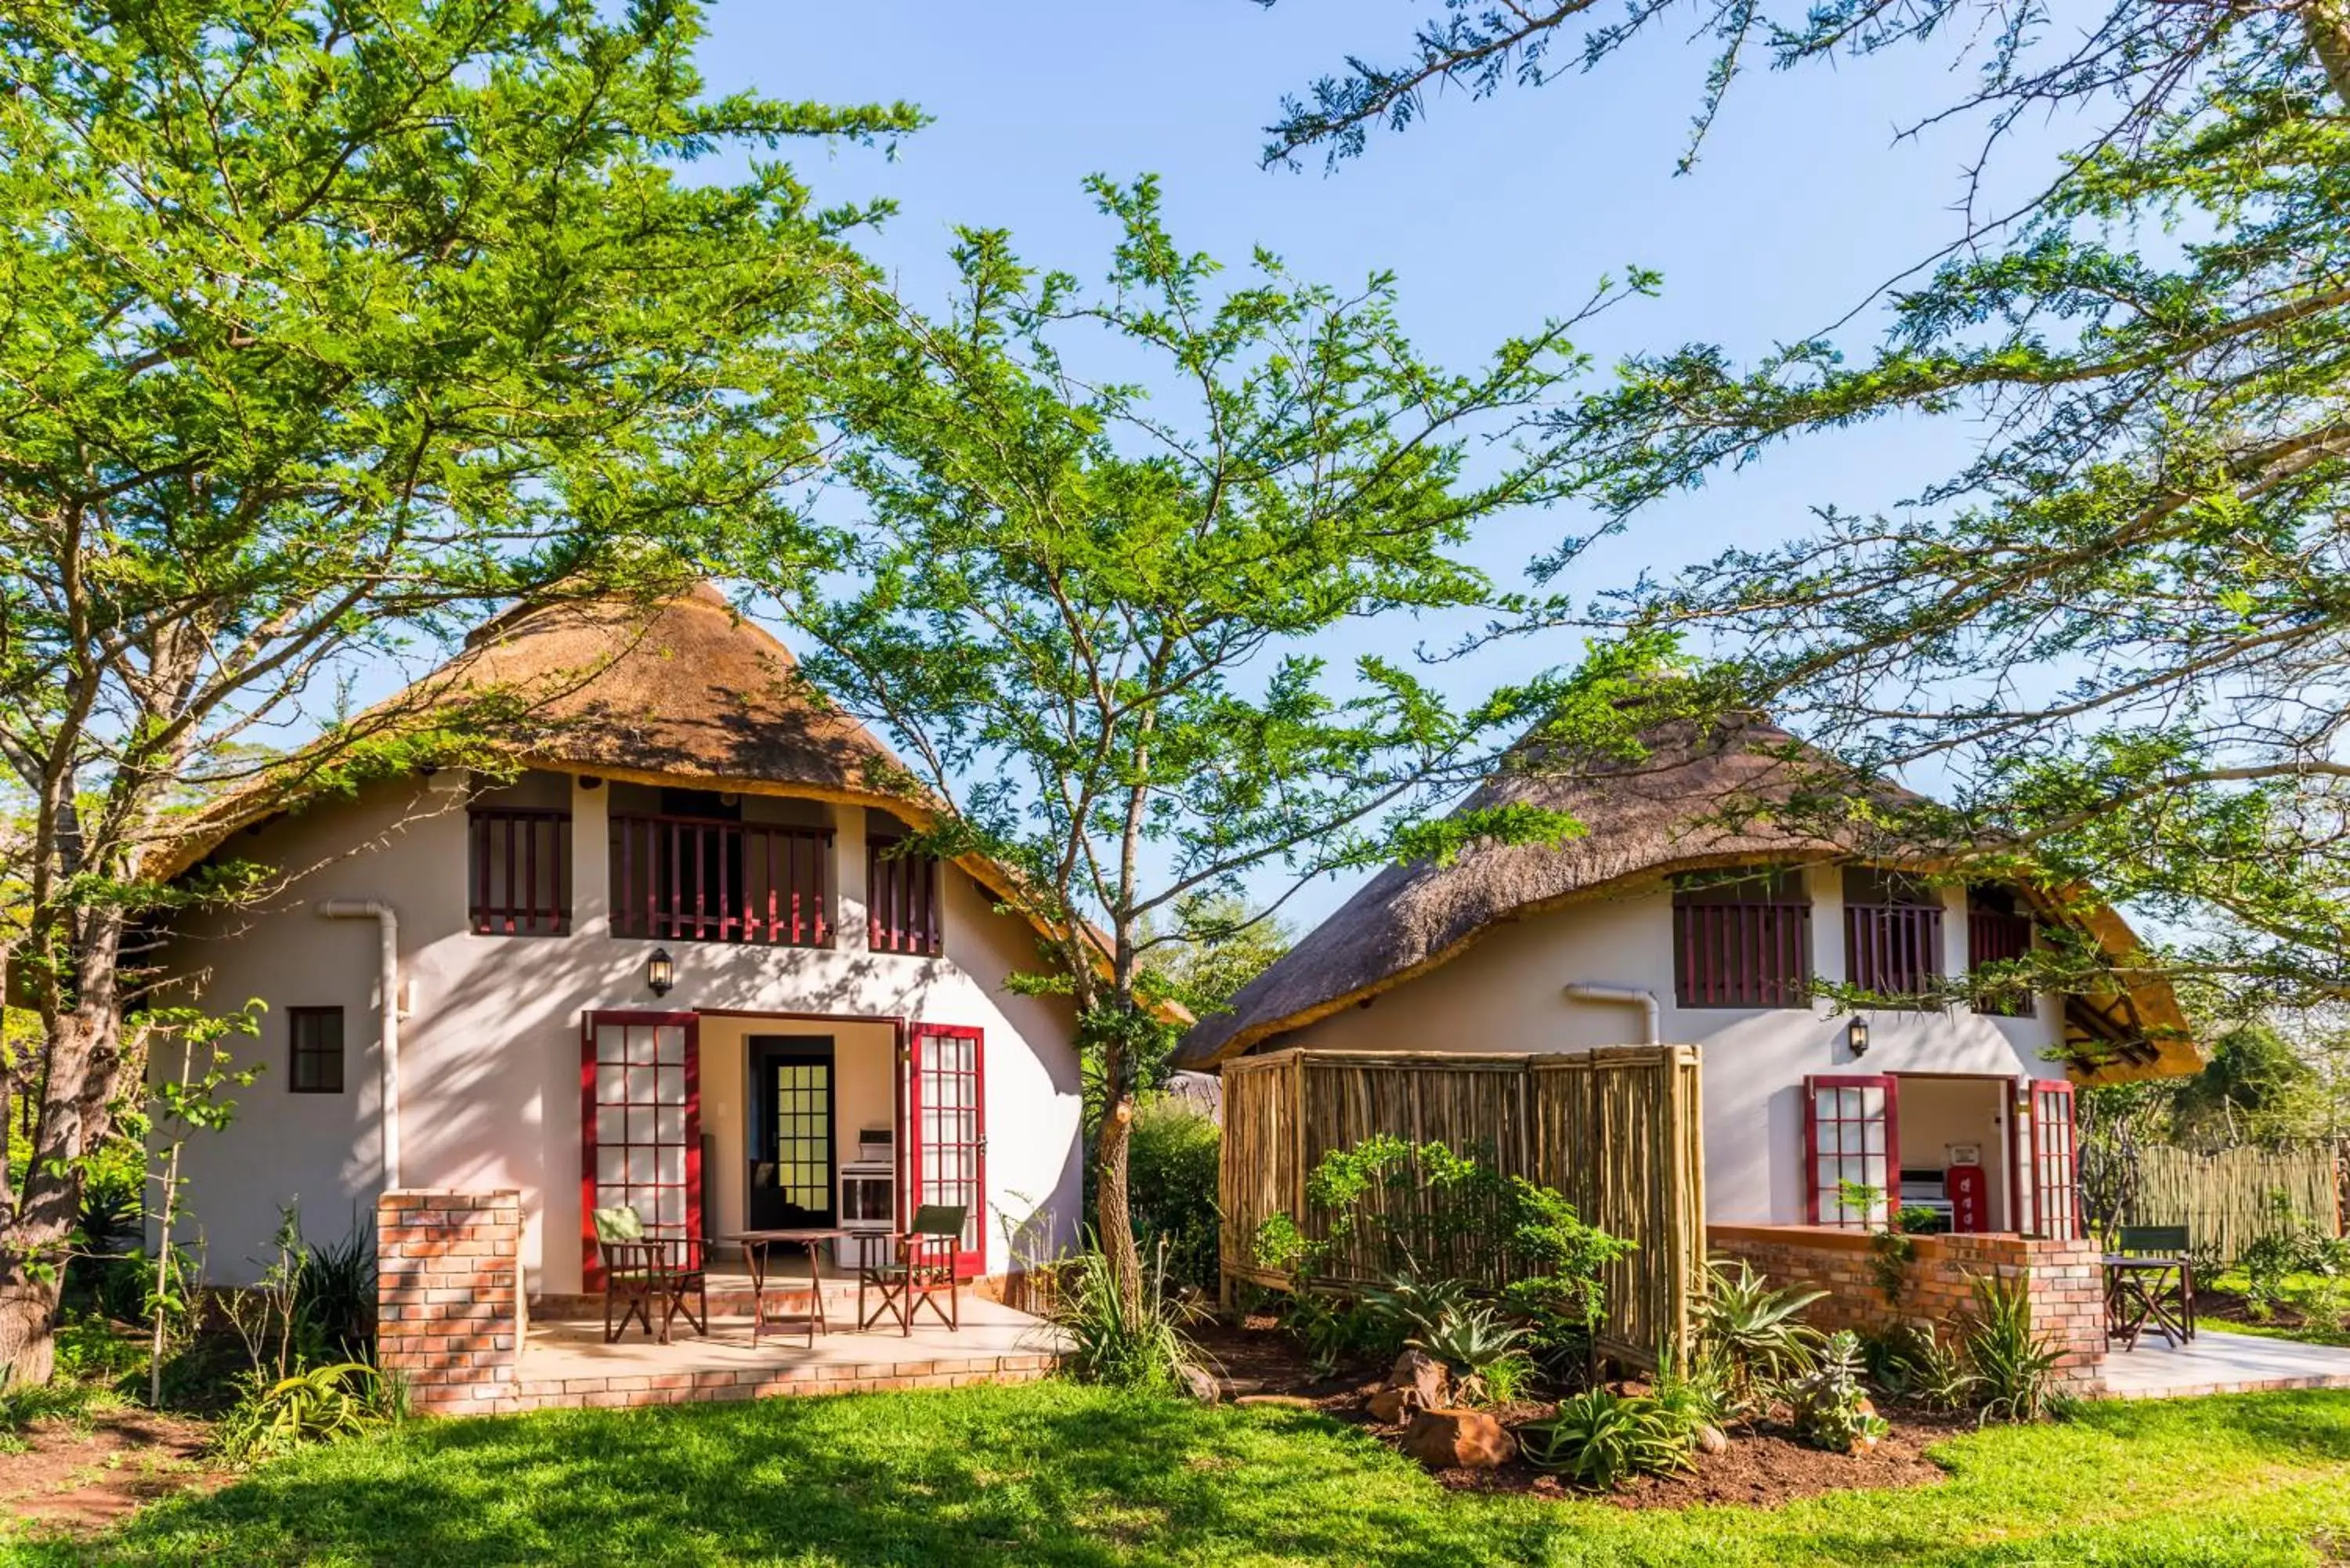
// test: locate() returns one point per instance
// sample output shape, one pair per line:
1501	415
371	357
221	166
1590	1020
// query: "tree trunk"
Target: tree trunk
1114	1220
2328	25
29	1320
80	1056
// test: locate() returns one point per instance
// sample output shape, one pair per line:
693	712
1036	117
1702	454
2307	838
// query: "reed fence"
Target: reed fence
2223	1198
1619	1132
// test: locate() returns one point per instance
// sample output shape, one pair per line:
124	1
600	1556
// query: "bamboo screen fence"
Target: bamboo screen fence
2222	1198
1618	1131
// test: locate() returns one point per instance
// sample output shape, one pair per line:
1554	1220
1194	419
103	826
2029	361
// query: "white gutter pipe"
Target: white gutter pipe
386	925
1624	996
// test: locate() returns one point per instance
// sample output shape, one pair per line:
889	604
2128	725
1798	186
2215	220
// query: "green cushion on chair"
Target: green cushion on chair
622	1224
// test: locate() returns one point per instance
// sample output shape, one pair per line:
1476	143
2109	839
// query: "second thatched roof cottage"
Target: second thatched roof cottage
1693	912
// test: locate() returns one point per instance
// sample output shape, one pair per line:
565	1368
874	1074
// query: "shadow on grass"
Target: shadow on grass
1051	1475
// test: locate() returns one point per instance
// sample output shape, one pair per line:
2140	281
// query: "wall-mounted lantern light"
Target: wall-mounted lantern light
660	972
1856	1035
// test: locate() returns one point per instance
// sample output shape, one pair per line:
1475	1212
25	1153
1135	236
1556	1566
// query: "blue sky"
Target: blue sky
1494	214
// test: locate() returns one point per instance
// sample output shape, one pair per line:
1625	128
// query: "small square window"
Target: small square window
315	1062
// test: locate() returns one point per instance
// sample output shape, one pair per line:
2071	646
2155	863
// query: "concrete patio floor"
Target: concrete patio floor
2217	1362
567	1364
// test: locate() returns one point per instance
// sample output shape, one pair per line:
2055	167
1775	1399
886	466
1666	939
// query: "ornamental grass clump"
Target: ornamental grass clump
1144	1345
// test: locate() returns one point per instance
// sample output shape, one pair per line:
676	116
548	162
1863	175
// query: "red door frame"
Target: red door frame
969	1262
591	1268
1883	1081
2039	1091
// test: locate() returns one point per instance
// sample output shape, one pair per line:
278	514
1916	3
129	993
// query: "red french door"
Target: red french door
2056	1173
1851	1134
943	1089
639	1124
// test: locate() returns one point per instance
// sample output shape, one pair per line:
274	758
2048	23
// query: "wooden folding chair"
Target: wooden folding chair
641	1270
916	1267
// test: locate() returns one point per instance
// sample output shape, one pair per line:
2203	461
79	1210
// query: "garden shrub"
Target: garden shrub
317	1405
1831	1410
1171	1154
1438	1221
1600	1438
1749	1335
2014	1370
1145	1345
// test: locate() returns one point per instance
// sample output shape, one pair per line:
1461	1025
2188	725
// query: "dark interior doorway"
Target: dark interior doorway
790	1132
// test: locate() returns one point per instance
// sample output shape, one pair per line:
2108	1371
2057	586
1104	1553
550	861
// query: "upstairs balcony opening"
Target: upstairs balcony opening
691	868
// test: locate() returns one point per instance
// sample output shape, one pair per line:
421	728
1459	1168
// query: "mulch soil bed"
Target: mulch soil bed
1763	1466
84	1474
2228	1306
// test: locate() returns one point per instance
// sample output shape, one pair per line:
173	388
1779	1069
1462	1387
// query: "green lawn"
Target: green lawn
1058	1475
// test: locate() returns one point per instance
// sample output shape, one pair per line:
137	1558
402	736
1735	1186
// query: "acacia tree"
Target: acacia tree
1078	607
326	324
2122	627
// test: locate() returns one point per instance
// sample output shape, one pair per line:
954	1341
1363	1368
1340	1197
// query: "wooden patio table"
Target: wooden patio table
754	1245
2142	1292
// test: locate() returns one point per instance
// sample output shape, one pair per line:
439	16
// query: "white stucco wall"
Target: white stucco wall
490	1051
1506	994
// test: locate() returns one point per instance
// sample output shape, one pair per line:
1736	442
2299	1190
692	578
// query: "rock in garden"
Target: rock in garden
1429	1379
1202	1384
1458	1439
1393	1407
1712	1439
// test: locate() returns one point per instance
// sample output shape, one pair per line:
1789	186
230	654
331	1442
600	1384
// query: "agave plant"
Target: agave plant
1749	1332
1415	1303
1599	1438
1472	1340
317	1405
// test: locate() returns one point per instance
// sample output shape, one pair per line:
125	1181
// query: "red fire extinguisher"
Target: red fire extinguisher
1969	1194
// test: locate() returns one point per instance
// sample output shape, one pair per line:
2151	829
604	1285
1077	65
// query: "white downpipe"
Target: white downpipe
1624	996
386	925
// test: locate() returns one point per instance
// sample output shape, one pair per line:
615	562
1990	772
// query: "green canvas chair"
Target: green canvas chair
641	1269
913	1268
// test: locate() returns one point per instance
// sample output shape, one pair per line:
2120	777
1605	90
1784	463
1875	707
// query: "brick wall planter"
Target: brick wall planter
449	1302
2065	1278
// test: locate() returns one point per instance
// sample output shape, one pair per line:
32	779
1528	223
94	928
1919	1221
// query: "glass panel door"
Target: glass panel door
2055	1180
790	1132
641	1124
946	1151
1850	1141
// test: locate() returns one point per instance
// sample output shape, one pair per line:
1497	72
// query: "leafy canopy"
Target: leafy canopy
326	327
1078	602
2120	626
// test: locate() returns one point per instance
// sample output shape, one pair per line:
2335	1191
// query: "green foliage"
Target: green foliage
1141	1344
1227	943
1339	1331
1426	1212
2014	1369
1472	1340
330	328
1829	1407
1749	1338
1172	1174
1416	1305
1085	612
2255	1087
318	1405
1600	1438
1915	1365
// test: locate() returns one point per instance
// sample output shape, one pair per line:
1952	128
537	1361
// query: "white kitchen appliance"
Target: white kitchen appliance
869	1207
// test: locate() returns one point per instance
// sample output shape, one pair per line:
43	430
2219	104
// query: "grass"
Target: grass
1065	1477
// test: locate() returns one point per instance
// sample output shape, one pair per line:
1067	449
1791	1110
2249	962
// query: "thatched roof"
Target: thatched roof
1690	806
681	692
